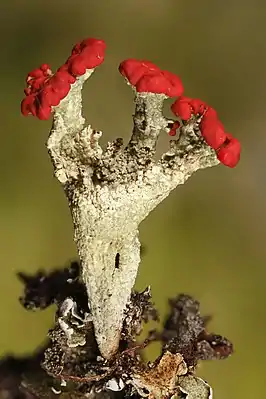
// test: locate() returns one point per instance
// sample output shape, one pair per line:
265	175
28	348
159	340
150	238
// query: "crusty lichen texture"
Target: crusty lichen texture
111	191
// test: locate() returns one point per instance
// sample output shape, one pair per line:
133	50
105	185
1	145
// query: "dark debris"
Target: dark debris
46	288
139	310
185	332
71	355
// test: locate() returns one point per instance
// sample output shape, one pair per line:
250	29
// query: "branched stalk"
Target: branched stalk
110	191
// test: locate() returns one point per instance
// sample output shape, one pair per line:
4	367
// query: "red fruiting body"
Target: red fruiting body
36	73
76	65
176	125
39	73
198	106
147	77
96	46
46	68
28	105
36	84
210	113
212	129
77	48
134	70
87	54
181	107
153	83
62	77
185	107
46	90
27	91
48	97
176	88
44	112
226	146
209	118
229	153
213	133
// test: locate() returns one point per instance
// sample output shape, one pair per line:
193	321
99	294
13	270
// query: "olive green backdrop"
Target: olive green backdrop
208	237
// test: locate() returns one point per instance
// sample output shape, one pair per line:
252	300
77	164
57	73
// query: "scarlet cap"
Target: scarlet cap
77	48
35	73
210	118
213	133
27	91
44	112
46	68
91	53
97	45
198	106
154	83
93	56
76	65
175	87
61	78
210	113
48	97
134	69
37	84
45	90
176	125
28	105
61	91
229	154
148	77
182	108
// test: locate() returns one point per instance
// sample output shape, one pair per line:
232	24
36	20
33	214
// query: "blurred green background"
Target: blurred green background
208	237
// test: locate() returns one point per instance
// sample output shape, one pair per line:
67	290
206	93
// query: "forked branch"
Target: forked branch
111	191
